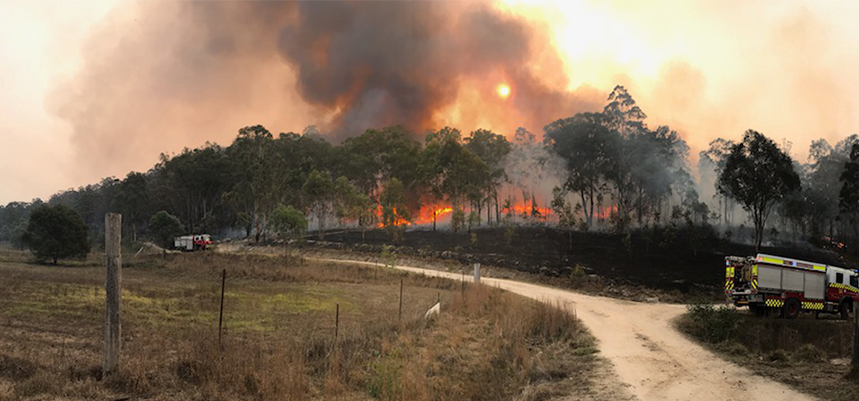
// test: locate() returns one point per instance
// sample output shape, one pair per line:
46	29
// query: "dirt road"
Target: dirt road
648	354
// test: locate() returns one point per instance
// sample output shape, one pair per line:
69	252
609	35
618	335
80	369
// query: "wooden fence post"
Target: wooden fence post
112	287
221	314
477	273
337	322
400	316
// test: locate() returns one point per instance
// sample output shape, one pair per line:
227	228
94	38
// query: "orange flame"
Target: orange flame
527	208
607	211
424	216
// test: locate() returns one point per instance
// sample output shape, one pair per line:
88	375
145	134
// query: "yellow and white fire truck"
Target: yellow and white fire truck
770	284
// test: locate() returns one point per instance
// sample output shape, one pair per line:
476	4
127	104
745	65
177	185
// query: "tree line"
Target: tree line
608	170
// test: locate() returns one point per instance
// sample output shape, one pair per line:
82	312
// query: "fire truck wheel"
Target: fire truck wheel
791	308
844	310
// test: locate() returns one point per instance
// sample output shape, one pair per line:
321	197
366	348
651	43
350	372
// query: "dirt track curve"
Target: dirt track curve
648	354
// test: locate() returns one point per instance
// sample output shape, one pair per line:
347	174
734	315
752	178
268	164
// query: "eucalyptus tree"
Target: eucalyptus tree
758	175
319	192
133	201
849	194
492	148
289	223
256	178
587	146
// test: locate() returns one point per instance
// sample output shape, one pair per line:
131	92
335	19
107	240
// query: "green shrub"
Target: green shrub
389	256
577	274
714	324
386	381
809	353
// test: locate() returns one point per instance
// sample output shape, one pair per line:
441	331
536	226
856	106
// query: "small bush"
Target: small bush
577	273
385	383
389	256
809	353
778	355
714	324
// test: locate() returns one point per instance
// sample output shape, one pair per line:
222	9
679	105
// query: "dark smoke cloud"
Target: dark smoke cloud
159	76
380	63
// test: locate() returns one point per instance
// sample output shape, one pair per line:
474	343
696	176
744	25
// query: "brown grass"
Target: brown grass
808	354
278	342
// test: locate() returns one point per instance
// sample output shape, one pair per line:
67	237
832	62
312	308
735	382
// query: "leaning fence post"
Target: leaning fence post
221	314
112	287
477	273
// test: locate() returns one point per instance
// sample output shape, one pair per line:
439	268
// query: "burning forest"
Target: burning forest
419	115
593	171
355	176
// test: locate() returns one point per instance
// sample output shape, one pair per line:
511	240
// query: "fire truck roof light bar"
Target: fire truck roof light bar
776	260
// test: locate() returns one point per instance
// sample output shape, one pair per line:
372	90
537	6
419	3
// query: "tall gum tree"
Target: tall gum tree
585	143
758	175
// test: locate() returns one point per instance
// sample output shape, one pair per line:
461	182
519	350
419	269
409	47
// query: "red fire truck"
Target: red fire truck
192	242
770	284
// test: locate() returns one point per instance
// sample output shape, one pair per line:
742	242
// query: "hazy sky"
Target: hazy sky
706	68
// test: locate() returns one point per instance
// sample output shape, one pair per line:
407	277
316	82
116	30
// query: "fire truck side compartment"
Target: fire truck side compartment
769	277
792	280
815	285
811	283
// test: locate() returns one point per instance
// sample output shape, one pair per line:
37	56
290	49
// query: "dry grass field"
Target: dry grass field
279	334
811	355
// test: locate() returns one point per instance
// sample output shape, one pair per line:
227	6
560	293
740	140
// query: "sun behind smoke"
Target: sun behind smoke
503	91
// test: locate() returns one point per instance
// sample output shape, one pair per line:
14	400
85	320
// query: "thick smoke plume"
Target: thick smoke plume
381	63
159	76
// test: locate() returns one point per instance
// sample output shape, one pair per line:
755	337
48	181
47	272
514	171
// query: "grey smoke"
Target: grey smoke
159	76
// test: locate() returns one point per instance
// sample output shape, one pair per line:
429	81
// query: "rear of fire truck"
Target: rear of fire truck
741	282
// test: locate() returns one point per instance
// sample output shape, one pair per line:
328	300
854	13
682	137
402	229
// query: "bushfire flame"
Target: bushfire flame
527	208
426	215
607	211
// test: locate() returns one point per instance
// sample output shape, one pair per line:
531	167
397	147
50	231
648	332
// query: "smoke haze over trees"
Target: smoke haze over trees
604	170
105	94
